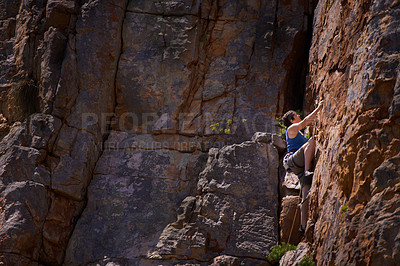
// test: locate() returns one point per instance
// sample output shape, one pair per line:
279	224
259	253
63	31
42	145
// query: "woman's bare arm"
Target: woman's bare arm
294	128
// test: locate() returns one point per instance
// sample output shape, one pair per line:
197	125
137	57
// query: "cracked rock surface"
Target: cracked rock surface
107	154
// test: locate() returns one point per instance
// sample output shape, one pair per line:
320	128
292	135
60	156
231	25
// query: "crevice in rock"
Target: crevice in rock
294	86
201	66
275	28
104	137
121	51
297	63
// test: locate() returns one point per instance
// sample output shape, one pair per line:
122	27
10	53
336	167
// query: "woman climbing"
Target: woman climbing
300	154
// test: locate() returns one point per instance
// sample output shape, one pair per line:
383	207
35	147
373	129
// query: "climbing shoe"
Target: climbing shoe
302	230
308	174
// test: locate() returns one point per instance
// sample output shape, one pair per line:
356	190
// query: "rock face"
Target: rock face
106	108
119	96
233	211
289	220
211	58
354	66
137	190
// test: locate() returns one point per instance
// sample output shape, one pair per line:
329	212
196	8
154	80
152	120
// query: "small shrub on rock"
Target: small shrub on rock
278	251
306	261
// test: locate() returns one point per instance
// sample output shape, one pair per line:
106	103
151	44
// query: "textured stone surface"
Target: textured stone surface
23	209
211	58
290	185
293	257
43	74
135	191
289	220
354	66
166	70
235	211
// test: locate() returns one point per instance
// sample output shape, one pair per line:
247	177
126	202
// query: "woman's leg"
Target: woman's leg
309	150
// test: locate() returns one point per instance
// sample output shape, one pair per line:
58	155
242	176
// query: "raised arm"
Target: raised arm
295	127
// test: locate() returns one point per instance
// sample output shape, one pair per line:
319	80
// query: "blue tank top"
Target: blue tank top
296	142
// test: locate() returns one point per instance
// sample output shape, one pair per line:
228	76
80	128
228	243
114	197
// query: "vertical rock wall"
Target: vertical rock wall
354	67
106	107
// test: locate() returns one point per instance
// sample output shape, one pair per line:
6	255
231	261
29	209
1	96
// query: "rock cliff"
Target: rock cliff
125	129
354	66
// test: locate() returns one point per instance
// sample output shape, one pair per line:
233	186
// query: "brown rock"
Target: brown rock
132	189
52	50
24	207
67	87
354	61
235	211
73	173
289	220
14	259
96	65
290	185
226	261
58	13
176	67
210	67
57	228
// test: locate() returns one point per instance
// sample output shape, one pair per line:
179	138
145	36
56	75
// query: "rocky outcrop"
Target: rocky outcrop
232	211
294	257
235	211
133	194
106	108
25	180
289	220
151	76
354	67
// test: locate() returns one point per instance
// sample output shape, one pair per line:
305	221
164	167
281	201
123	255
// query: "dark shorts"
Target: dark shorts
296	164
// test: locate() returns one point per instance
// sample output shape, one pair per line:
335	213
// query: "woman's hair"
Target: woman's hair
287	118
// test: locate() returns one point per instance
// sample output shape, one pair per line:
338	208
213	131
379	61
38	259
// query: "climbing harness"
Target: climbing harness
286	160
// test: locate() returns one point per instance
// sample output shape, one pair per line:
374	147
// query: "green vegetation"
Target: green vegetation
299	112
282	128
306	261
203	38
226	128
278	251
344	208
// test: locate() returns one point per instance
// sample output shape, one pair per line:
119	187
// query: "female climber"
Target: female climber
300	154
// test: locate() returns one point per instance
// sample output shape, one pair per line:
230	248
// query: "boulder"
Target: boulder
290	185
289	220
262	137
293	257
23	209
235	211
